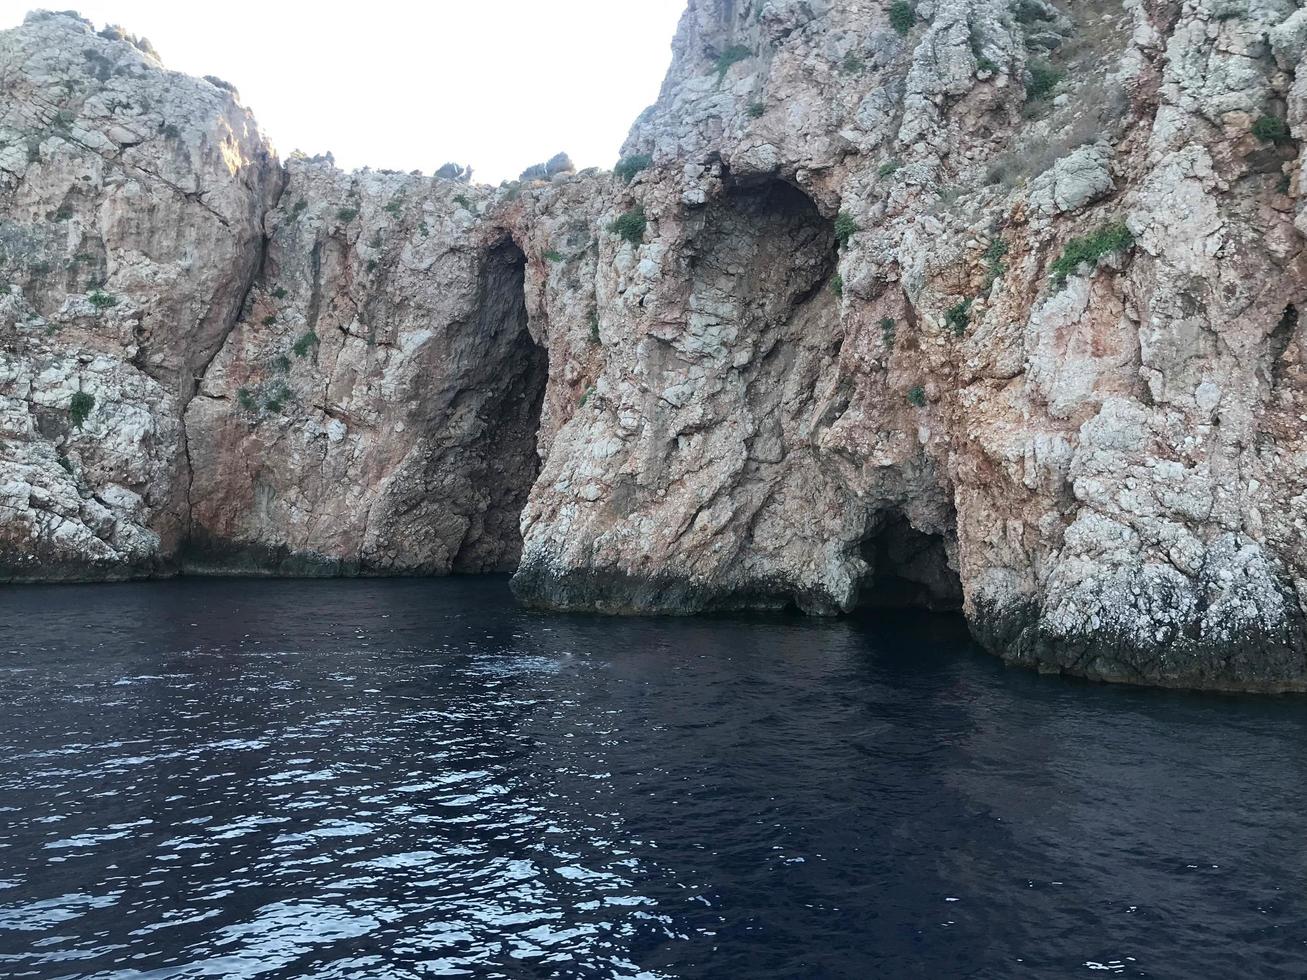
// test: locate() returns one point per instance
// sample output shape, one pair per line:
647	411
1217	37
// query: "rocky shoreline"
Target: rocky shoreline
978	304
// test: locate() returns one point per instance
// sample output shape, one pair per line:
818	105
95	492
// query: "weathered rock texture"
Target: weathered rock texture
131	210
996	310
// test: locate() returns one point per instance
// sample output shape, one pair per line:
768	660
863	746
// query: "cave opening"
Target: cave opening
509	415
907	568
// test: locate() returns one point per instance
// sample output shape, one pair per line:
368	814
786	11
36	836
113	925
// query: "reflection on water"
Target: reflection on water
416	779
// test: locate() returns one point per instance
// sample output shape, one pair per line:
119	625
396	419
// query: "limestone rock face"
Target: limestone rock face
995	308
131	208
1059	350
377	407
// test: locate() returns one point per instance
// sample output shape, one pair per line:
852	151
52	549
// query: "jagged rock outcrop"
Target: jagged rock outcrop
979	304
377	408
131	209
1067	353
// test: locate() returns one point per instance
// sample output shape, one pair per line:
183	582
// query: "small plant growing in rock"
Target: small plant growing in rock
888	325
1043	79
464	202
300	206
853	63
586	397
347	215
756	110
889	167
278	397
79	409
282	363
63	213
246	399
994	265
1028	13
102	300
594	327
917	397
423	230
553	255
731	56
1115	237
1271	129
902	16
959	317
66	463
394	207
270	319
846	226
987	65
628	167
837	284
305	344
631	225
279	293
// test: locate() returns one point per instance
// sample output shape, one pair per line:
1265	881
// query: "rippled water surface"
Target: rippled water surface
417	779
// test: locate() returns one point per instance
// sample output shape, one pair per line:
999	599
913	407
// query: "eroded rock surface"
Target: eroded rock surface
131	209
993	307
1106	454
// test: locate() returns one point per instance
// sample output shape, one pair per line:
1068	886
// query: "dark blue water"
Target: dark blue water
417	779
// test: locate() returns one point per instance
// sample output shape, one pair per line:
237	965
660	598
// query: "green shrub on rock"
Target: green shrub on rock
628	167
902	16
732	55
1115	237
846	226
305	344
631	225
1271	129
79	409
1043	79
959	317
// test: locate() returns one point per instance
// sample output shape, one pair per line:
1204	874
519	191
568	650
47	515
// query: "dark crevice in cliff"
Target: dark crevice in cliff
1280	339
907	568
517	370
253	273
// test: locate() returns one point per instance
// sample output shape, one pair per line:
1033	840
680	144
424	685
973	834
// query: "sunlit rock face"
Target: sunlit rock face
131	210
989	305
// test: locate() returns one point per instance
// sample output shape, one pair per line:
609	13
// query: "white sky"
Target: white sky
498	84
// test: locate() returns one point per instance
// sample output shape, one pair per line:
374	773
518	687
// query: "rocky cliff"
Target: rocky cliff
977	304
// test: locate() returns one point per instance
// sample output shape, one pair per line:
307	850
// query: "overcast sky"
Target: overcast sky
499	84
